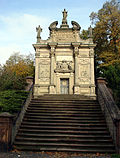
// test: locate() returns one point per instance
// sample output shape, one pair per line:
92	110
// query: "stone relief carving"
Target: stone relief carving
91	53
44	61
64	66
84	79
84	61
83	54
64	36
44	70
84	74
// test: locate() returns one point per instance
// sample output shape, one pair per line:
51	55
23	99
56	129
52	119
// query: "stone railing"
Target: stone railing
19	119
110	111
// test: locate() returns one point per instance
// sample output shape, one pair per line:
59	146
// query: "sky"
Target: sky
19	19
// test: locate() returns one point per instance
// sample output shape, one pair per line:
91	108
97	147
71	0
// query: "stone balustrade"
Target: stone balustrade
110	110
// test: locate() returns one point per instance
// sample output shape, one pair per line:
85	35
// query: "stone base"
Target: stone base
52	89
40	90
93	97
77	89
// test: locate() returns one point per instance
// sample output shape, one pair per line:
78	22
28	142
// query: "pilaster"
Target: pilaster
92	75
76	53
52	56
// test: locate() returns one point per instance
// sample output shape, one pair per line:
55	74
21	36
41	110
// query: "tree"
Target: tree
21	65
84	34
13	74
107	33
112	74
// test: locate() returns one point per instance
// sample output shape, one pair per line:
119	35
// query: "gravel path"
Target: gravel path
49	155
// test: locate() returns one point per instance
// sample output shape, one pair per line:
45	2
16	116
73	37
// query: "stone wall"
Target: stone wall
6	123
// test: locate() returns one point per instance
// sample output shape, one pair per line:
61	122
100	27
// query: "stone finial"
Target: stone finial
90	31
38	30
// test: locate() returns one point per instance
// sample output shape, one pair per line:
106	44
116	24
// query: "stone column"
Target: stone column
76	84
52	55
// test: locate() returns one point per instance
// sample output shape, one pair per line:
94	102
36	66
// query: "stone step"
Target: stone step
63	97
67	109
77	128
62	131
62	111
63	114
63	120
100	118
64	140
65	149
80	145
64	106
64	103
72	136
63	124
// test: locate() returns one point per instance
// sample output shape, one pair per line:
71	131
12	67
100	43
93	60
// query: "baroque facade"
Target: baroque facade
64	62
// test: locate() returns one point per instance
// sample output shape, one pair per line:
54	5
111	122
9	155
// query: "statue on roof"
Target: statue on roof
64	20
38	30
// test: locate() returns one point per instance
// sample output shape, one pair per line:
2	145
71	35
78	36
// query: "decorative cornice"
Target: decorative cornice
52	44
76	44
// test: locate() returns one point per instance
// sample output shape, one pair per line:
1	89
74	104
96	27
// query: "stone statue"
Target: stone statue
38	30
64	20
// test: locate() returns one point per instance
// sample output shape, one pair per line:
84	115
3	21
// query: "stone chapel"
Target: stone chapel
64	62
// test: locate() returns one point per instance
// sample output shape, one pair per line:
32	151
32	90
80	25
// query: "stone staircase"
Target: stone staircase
68	123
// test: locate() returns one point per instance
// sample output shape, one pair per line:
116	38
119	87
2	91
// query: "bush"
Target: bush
11	100
112	75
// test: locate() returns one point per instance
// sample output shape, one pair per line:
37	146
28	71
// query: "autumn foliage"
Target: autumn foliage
13	74
106	35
